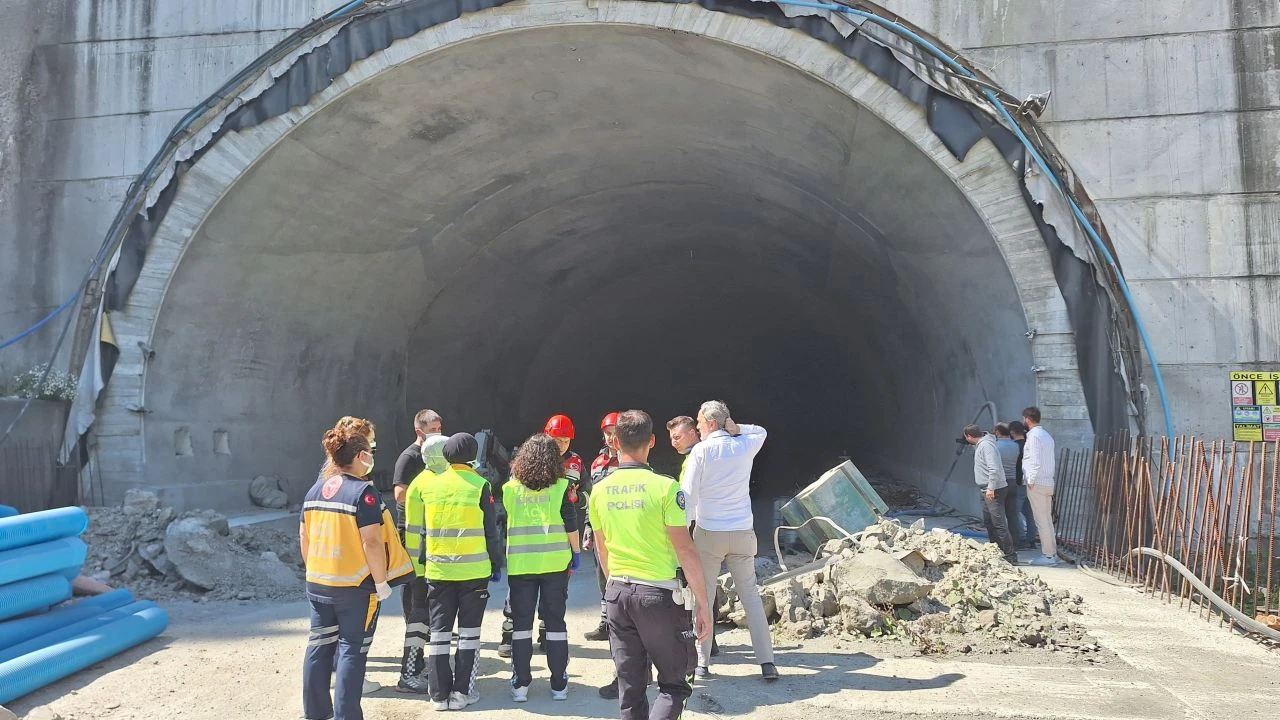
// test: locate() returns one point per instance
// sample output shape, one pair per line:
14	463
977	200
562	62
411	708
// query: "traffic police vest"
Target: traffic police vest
335	551
536	539
453	543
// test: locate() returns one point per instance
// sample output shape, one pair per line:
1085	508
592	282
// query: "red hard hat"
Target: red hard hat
610	419
559	426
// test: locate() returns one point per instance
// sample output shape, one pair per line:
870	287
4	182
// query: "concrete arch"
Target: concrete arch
133	446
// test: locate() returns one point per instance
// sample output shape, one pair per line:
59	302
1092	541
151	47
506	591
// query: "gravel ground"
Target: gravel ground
243	660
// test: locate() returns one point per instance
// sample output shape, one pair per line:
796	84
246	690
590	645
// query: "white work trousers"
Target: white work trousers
737	549
1041	499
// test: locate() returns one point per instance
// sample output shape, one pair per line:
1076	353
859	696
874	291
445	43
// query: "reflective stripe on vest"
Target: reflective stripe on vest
536	539
453	543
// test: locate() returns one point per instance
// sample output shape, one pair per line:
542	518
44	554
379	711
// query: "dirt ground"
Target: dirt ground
243	660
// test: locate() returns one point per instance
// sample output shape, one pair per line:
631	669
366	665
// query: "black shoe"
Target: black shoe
701	671
610	691
769	672
600	633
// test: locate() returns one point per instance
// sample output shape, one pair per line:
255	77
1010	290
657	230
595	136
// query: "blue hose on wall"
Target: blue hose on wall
52	556
35	670
38	527
35	593
22	629
75	629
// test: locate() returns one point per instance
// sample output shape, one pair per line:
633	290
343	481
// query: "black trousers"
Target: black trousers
547	593
413	598
997	524
462	601
645	626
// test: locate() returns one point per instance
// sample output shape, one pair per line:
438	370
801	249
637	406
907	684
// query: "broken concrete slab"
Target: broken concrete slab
202	554
267	491
879	578
141	502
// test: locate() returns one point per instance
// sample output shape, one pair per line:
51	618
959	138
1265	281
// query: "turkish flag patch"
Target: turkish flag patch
369	499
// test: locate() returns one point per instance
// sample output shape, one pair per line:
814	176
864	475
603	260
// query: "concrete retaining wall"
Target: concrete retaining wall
1169	109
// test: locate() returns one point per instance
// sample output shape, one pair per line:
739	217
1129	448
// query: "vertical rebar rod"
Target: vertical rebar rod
1190	543
1271	540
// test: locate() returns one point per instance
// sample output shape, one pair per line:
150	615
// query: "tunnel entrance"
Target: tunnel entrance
582	218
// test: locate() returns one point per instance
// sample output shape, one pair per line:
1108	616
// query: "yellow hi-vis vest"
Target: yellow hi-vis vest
453	528
536	540
415	519
335	552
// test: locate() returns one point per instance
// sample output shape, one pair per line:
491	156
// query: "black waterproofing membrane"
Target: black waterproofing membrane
958	123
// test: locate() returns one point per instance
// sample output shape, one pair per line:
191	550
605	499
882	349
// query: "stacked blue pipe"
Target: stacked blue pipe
43	638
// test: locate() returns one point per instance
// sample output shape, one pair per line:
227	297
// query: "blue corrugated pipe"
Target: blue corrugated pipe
38	527
13	632
37	593
1096	239
66	632
35	670
8	511
52	556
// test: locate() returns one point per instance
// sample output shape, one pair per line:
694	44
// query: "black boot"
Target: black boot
600	633
610	691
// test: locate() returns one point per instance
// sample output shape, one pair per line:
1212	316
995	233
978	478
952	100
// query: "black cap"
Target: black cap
461	448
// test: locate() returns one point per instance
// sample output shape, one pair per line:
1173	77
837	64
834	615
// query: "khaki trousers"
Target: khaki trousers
1041	499
737	550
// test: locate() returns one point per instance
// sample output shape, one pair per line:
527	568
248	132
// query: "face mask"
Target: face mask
369	470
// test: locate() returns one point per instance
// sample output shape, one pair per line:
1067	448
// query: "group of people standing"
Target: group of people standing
453	536
1013	467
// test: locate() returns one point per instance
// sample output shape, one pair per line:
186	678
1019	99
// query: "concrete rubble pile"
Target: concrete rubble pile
157	552
935	589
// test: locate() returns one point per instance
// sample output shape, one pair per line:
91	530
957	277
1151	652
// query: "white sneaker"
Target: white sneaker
560	694
473	698
370	687
458	701
440	705
504	651
520	694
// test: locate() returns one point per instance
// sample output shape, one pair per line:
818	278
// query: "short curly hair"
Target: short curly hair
537	463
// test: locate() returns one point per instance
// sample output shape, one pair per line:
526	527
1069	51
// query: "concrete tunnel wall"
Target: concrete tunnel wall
582	217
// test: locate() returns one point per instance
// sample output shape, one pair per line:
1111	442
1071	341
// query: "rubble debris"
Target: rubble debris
7	714
43	712
159	554
267	491
937	590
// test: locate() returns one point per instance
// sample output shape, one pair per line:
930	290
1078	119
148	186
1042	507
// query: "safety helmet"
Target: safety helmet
610	419
559	426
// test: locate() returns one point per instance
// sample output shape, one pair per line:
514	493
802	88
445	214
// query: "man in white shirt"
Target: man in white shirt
1038	466
716	480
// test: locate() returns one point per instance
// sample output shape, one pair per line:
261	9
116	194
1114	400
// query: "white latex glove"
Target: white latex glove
382	590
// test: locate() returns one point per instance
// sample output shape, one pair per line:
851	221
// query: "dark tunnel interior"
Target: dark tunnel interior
583	219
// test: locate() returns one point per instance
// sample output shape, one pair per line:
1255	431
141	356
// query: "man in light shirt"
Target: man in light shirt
1038	466
716	480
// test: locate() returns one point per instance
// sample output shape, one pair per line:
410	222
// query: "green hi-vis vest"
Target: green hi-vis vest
536	540
452	530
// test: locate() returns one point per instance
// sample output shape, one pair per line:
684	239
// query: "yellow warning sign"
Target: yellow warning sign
1248	432
1264	392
